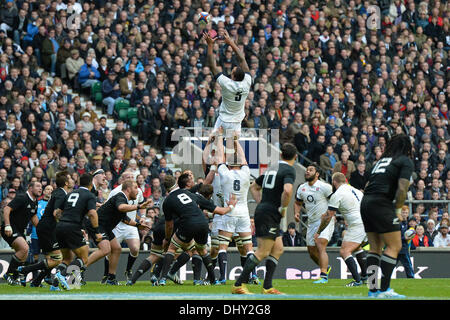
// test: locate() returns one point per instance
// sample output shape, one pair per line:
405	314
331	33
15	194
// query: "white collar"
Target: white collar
30	196
174	189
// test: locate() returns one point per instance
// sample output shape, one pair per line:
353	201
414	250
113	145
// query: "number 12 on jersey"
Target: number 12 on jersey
381	165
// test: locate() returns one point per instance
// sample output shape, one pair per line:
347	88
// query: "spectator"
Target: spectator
360	176
345	166
442	239
420	239
431	230
111	92
88	74
329	159
291	237
74	64
127	85
257	120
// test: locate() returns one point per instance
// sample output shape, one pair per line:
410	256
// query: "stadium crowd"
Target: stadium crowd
324	76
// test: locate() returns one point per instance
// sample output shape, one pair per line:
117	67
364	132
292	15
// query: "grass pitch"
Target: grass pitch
414	289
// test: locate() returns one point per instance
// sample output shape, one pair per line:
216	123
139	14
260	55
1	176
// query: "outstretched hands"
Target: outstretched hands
209	40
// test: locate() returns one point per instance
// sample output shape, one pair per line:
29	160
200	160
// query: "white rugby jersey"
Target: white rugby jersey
315	198
347	200
139	199
234	94
235	182
217	196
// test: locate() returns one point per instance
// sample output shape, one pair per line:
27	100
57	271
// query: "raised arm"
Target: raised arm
241	56
210	58
240	152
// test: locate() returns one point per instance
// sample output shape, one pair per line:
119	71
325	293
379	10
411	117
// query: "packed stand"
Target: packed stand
331	83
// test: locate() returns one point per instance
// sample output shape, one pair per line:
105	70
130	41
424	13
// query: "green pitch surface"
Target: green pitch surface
414	289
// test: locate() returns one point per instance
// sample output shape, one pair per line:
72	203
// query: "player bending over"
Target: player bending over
347	201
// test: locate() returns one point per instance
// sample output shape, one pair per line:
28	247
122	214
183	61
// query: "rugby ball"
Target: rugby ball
409	234
204	18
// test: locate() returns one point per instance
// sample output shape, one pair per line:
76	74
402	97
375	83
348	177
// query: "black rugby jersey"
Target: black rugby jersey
383	179
76	206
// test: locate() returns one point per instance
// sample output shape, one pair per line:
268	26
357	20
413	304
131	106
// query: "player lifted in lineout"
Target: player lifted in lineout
234	90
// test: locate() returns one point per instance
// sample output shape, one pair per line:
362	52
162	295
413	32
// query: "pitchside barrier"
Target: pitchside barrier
294	264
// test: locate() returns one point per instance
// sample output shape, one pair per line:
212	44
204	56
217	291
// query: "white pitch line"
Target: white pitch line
159	296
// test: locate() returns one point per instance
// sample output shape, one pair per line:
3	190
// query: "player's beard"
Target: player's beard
309	178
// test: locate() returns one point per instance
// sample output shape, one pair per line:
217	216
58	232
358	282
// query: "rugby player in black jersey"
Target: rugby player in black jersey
16	216
69	234
110	214
276	185
46	230
389	180
193	226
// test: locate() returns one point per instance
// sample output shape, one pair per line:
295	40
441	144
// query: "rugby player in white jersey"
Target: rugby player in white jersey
234	90
347	200
127	233
234	179
210	164
314	193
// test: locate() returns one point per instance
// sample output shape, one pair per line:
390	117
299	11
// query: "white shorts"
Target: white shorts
355	233
227	126
125	232
235	224
215	225
326	233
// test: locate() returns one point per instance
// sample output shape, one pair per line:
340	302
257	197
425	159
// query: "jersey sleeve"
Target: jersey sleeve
223	170
335	202
406	169
59	201
120	199
259	180
246	170
327	190
63	202
221	79
249	80
205	204
140	198
17	203
298	194
92	203
166	210
289	177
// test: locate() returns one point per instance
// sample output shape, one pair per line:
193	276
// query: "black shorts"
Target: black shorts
16	234
47	238
35	249
107	234
197	231
267	222
159	233
69	236
378	214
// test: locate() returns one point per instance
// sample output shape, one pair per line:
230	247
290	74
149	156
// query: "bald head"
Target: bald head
339	178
